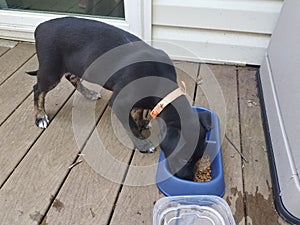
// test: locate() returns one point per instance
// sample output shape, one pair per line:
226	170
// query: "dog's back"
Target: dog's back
72	44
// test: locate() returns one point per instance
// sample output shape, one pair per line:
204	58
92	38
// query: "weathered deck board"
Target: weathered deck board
187	72
86	198
4	43
26	196
21	125
97	202
200	98
3	50
258	187
137	198
16	89
226	79
14	59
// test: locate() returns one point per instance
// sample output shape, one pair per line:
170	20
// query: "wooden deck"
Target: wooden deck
38	187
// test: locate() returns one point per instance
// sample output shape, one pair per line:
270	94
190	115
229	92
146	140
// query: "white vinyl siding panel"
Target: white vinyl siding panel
220	31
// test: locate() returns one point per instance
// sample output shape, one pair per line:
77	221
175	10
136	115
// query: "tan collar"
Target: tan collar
167	100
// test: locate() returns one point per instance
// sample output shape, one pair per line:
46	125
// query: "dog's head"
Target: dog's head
183	155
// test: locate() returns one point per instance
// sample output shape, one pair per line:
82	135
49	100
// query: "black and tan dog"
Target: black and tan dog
138	75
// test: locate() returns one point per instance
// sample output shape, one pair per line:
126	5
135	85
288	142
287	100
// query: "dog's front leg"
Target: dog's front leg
140	123
139	138
41	118
124	115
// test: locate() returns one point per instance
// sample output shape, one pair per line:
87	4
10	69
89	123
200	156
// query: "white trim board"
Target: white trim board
223	47
138	14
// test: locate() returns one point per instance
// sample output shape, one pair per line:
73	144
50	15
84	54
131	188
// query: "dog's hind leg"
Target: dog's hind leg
87	93
46	80
41	118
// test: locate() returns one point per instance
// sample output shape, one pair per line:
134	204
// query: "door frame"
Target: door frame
20	25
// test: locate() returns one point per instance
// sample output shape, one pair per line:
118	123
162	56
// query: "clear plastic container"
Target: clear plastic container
192	210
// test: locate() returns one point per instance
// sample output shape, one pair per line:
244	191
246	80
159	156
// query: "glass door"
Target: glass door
102	8
18	18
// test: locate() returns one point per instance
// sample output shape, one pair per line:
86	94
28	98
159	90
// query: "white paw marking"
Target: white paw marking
149	125
152	149
43	122
95	96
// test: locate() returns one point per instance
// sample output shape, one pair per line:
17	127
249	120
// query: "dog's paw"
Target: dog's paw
93	95
145	146
90	94
42	122
151	149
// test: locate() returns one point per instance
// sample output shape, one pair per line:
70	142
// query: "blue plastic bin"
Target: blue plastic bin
170	185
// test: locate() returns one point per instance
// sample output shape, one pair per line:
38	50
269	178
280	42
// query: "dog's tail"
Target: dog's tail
32	73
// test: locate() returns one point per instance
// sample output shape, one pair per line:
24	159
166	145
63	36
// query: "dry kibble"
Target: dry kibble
203	169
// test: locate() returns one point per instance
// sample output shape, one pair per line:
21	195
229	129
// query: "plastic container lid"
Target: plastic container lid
192	210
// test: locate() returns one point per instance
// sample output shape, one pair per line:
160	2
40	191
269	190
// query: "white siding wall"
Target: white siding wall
218	31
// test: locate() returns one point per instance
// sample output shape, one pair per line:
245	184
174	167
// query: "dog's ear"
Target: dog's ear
205	120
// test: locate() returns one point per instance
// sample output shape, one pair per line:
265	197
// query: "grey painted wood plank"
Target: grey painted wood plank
137	198
200	98
258	187
14	59
4	43
219	85
16	89
27	194
187	72
3	50
88	196
21	125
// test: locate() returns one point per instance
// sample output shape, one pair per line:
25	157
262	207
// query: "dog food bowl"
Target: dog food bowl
171	185
192	210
